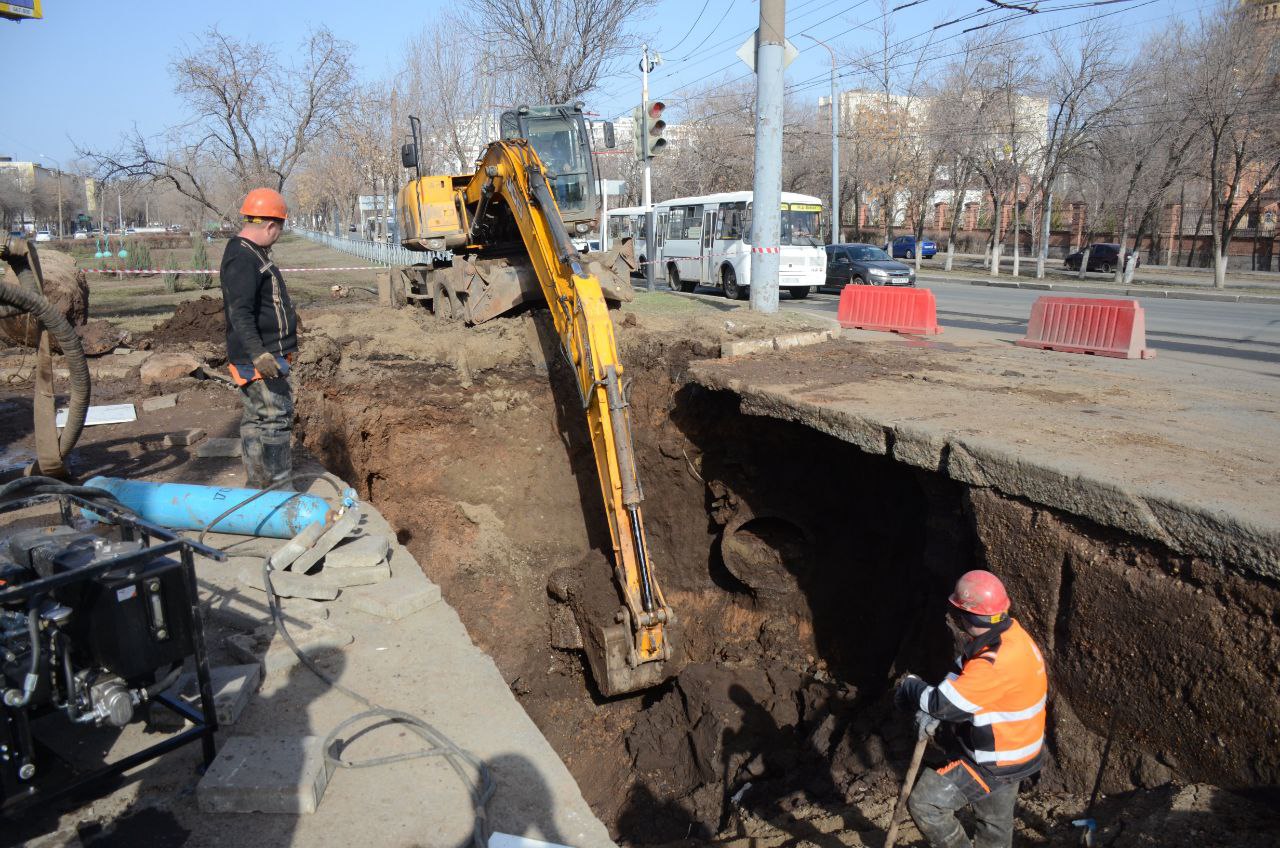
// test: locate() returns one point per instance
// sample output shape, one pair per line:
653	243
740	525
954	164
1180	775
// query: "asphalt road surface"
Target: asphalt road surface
1240	339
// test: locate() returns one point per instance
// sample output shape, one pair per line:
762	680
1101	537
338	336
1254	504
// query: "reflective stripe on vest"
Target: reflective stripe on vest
1004	694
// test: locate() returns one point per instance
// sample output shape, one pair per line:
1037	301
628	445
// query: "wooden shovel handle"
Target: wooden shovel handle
916	756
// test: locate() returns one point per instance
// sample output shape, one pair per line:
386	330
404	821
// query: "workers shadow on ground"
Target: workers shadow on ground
522	803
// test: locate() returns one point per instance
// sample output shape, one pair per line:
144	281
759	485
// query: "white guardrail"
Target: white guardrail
382	253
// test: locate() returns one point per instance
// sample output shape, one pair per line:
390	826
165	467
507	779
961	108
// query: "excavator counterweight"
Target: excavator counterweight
509	246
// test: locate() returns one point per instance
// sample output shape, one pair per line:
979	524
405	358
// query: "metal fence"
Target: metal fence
383	253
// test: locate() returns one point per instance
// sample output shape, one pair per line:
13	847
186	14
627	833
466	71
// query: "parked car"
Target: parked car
865	264
904	247
80	234
1103	257
44	235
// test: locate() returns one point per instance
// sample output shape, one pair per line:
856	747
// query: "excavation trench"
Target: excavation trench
806	575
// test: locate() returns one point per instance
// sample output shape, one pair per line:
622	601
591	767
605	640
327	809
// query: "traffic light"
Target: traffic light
637	131
654	127
647	139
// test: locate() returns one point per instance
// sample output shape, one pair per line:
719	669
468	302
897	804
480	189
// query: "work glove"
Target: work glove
907	696
926	725
266	365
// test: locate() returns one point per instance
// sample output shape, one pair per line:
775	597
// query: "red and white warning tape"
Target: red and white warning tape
215	270
766	250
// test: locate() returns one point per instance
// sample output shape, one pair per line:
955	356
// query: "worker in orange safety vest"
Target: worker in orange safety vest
996	699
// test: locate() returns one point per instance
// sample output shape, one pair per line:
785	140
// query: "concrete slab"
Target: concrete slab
396	598
274	656
341	578
151	404
186	438
359	552
233	688
219	448
289	585
265	774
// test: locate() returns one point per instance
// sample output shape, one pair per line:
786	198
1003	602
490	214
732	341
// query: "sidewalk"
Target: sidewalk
1097	287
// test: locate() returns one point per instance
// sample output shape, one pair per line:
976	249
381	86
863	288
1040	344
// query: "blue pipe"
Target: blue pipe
183	506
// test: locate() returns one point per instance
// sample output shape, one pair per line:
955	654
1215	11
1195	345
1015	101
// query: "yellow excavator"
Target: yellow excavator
509	245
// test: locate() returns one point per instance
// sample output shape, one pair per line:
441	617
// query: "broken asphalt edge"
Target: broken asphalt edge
1205	530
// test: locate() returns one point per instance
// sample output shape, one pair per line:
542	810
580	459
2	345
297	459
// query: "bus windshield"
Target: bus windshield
800	225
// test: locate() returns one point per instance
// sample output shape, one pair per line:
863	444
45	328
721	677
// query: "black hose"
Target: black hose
150	692
30	300
32	679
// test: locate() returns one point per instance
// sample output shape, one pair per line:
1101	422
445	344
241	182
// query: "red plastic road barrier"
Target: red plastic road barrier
889	308
1099	326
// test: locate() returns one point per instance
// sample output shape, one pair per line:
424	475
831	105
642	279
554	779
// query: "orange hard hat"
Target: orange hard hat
982	594
264	203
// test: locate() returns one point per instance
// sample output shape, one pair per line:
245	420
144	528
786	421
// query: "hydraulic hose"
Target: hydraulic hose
13	698
27	298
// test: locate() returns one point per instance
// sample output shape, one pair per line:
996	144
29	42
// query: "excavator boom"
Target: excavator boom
507	198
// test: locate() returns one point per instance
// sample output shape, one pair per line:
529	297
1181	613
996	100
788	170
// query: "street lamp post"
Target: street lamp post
835	145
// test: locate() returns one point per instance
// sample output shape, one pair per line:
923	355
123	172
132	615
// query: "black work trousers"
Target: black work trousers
939	794
266	432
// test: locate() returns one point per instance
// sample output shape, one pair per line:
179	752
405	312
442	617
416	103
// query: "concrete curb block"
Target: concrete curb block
1068	288
782	342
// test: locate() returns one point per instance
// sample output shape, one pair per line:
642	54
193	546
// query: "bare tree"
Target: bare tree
15	197
253	117
1080	73
558	50
1232	87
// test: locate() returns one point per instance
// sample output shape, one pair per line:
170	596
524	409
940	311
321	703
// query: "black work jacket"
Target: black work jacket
260	316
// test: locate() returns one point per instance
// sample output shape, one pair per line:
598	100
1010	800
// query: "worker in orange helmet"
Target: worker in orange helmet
996	698
262	337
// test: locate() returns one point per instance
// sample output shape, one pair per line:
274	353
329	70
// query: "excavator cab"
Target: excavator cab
561	137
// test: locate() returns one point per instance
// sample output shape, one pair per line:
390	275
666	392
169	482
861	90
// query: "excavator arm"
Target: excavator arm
629	651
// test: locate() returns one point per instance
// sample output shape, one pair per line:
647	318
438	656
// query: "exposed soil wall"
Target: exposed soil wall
806	575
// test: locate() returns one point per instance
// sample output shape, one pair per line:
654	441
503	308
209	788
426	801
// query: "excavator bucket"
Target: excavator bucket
477	290
588	615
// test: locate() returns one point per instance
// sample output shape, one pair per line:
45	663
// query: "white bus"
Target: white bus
625	222
706	241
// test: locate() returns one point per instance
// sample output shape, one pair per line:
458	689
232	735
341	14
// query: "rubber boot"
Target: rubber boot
277	461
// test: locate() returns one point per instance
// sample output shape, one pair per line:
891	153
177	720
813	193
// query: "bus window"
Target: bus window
685	223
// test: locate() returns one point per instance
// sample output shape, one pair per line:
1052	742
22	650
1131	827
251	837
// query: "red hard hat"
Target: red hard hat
981	593
264	203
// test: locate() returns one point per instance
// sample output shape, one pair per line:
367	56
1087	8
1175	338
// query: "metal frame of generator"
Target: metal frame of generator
103	610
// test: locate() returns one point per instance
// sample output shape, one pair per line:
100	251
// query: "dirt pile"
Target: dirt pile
64	286
199	320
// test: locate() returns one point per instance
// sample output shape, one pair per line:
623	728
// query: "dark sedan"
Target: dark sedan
865	264
1103	257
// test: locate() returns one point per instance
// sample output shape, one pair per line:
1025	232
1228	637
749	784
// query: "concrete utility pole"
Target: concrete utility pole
767	197
835	146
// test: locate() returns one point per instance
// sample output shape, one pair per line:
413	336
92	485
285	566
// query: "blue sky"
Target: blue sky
90	72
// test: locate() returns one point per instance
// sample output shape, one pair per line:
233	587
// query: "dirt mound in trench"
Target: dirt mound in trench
199	320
